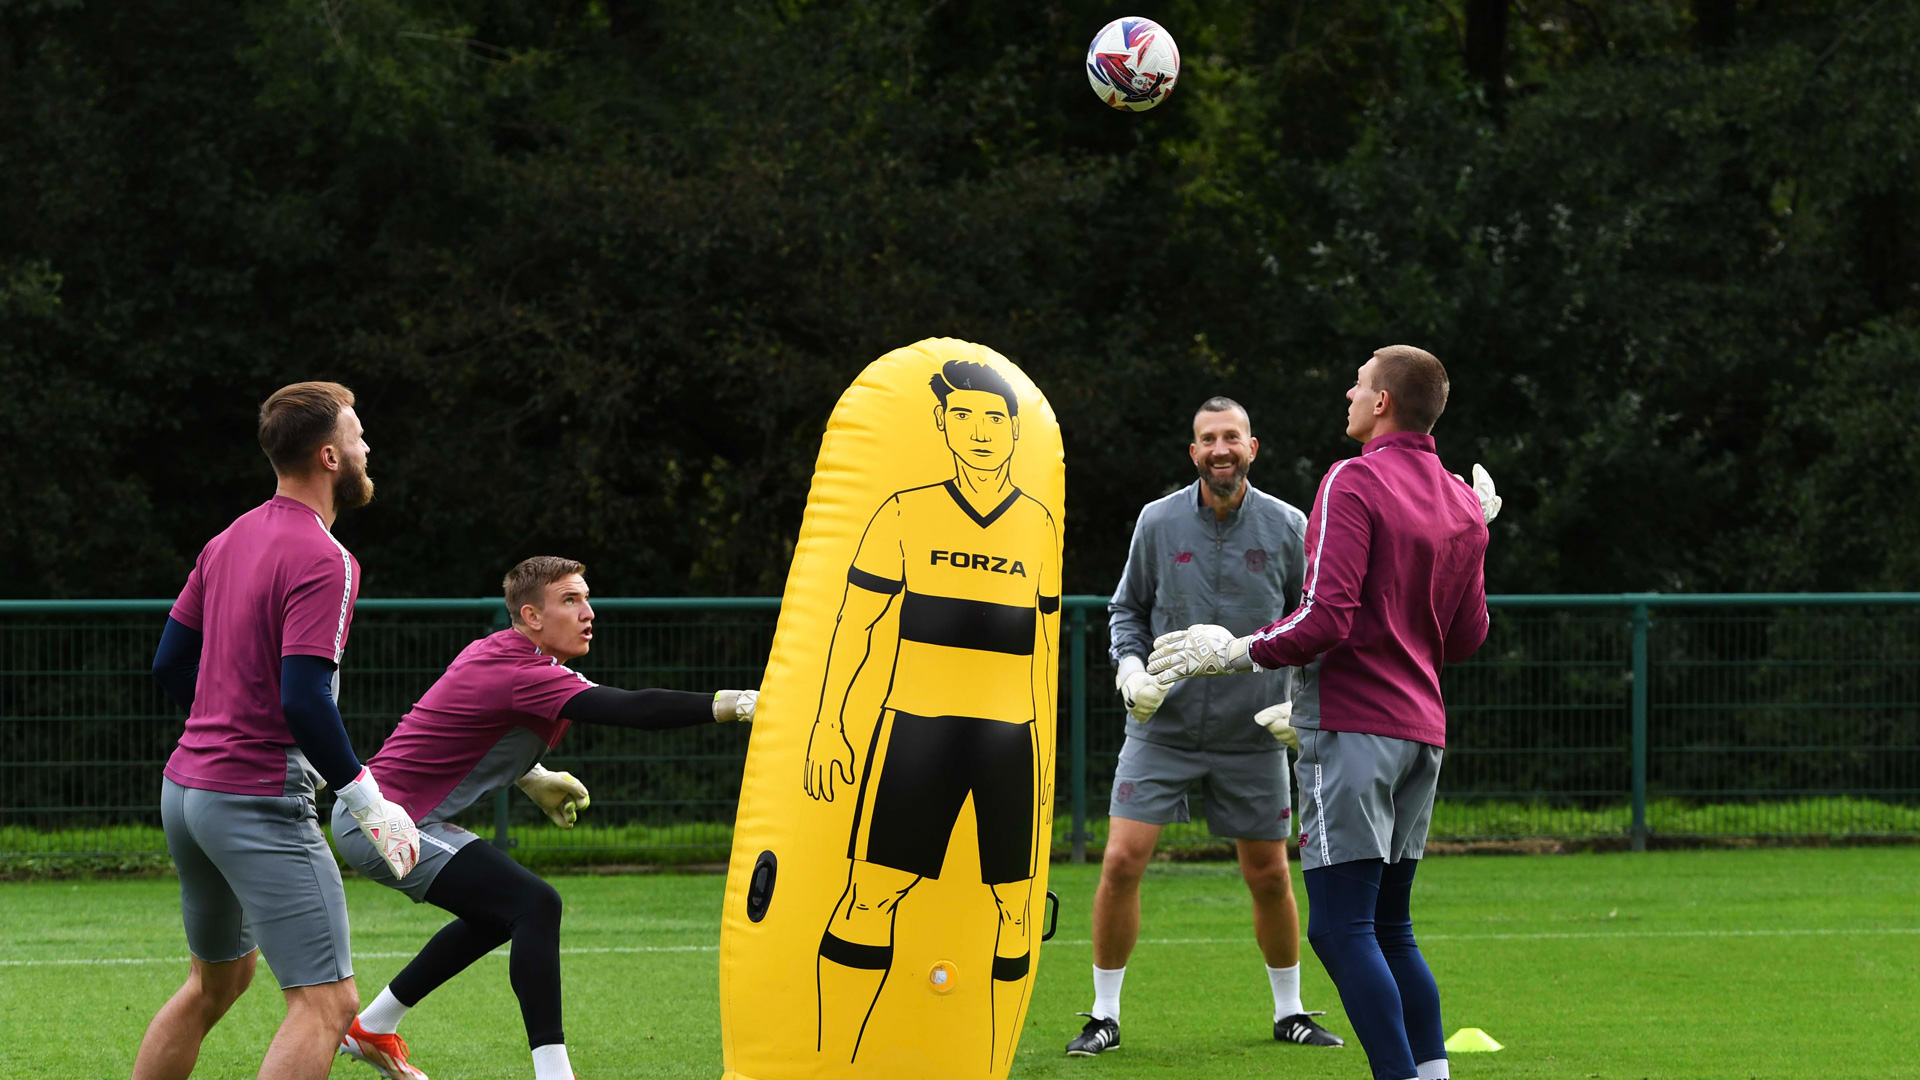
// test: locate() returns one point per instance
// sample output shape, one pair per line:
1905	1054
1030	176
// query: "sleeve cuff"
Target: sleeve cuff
873	582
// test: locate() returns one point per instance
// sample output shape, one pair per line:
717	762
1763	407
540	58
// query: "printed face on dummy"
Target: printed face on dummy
978	428
1222	450
562	626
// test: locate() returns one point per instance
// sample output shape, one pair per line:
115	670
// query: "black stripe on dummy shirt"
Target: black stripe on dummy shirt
1049	605
873	582
966	624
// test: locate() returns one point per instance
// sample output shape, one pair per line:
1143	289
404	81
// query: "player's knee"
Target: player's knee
1324	931
1320	935
216	987
544	905
1122	866
1394	936
1268	880
220	997
332	1005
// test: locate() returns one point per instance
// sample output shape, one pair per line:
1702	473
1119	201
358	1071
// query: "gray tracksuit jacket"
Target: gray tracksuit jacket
1185	567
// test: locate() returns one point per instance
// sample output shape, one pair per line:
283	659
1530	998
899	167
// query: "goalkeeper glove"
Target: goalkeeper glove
1278	720
558	794
1202	649
730	705
1482	486
1139	691
384	824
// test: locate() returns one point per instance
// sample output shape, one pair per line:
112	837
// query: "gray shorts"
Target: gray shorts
438	843
1247	793
1364	797
256	869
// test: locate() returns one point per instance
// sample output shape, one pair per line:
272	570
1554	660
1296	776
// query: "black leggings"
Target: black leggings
497	901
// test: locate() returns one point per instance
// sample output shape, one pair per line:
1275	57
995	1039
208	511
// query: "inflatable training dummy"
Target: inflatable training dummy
890	856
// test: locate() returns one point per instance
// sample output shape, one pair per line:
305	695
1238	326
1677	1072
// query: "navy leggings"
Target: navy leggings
1360	924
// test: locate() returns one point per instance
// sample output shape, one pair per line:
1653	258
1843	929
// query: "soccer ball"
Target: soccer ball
1132	64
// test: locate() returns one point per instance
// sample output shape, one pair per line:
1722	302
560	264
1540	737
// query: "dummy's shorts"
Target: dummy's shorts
1247	796
256	869
439	843
1364	797
927	765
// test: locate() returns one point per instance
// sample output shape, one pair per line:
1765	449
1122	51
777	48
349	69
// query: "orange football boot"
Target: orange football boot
386	1053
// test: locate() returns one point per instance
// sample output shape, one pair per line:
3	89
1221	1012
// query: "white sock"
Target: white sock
1106	993
1433	1070
384	1015
550	1062
1286	991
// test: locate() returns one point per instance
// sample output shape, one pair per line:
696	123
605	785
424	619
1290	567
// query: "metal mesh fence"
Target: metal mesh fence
1761	720
1761	717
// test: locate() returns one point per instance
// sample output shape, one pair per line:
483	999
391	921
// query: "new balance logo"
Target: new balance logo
992	564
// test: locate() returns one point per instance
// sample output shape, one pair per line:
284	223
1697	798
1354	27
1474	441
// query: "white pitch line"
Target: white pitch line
625	950
1576	935
501	953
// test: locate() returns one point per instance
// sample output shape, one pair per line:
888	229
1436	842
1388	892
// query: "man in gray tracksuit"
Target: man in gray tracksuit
1216	551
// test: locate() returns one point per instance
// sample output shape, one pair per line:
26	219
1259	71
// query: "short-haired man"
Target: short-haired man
1396	589
503	702
252	649
1224	550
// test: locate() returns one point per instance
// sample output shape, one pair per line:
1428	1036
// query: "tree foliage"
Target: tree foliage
598	271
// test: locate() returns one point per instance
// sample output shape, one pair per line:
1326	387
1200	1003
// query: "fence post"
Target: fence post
1077	716
1640	689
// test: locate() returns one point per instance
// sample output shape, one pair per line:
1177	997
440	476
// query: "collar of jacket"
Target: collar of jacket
1206	512
1400	440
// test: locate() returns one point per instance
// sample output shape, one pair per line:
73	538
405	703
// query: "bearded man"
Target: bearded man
252	651
1215	551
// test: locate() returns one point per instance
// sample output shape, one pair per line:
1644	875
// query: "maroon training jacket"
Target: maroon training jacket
1396	588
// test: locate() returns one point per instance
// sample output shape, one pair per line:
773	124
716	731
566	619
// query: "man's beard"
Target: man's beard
1224	489
352	489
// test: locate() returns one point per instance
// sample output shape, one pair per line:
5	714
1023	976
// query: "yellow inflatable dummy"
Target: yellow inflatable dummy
890	856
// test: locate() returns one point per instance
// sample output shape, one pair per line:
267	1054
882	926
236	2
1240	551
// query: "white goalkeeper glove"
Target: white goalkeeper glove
1202	649
730	705
1139	691
1278	720
384	824
1483	490
558	794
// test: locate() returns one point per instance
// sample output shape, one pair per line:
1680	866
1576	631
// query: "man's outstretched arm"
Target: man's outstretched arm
654	710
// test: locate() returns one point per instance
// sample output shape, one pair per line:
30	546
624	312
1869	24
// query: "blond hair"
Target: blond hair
527	582
298	419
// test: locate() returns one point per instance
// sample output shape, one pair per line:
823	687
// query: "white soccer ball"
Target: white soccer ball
1133	64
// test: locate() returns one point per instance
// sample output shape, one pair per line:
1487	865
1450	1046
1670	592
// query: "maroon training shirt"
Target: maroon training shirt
481	725
274	584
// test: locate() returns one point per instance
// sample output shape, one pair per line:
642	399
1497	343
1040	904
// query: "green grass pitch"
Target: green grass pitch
1766	963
